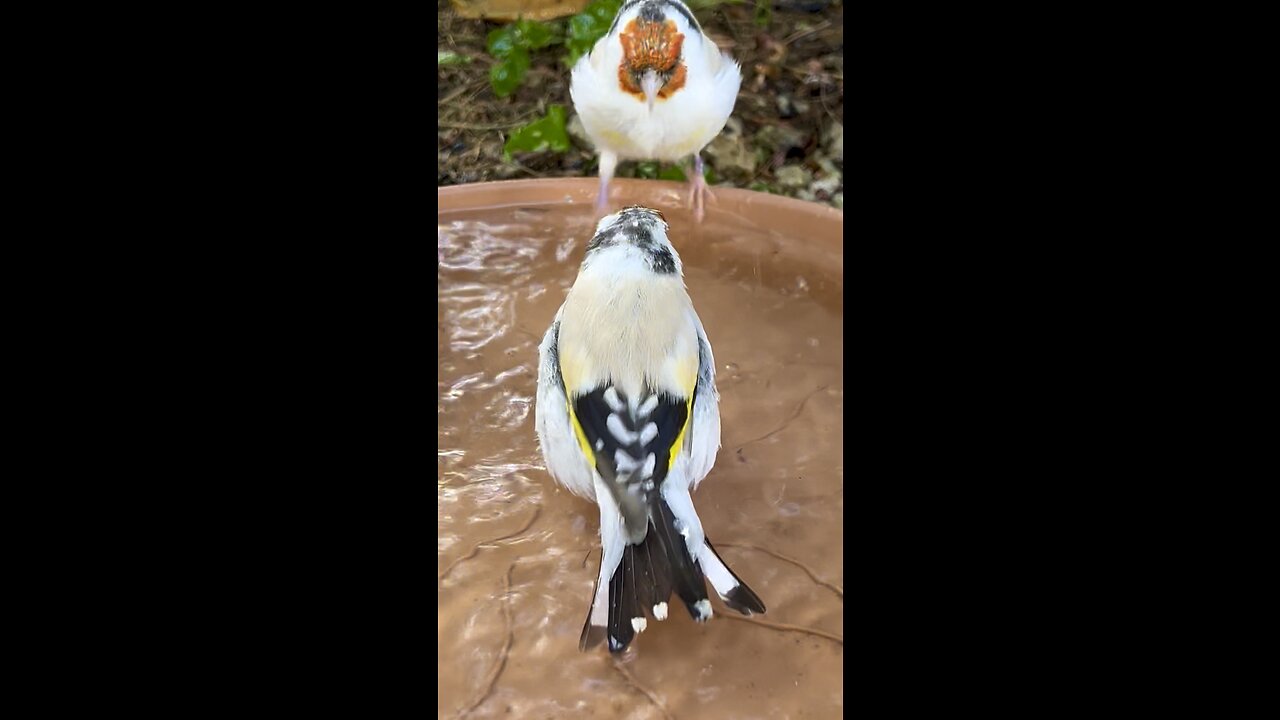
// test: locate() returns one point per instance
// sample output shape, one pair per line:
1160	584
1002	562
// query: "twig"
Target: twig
788	421
783	626
837	590
501	662
489	543
822	97
526	332
803	33
647	693
737	39
469	126
519	166
461	89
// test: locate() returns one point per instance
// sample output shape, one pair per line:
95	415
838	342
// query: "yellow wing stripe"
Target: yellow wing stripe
578	431
690	373
569	376
679	443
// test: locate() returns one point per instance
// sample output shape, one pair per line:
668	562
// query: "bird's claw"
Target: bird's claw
699	191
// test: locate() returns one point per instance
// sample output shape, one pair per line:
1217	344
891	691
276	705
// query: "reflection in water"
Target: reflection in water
517	555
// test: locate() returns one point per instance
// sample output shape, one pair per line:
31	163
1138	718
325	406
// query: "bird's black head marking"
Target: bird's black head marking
660	260
637	226
651	11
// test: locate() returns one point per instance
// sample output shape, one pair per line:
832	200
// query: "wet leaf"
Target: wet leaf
588	26
535	35
525	34
506	76
501	41
542	134
511	45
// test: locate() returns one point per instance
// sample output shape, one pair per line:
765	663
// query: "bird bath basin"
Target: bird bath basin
517	555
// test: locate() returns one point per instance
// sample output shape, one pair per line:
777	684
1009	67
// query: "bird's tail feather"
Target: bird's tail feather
593	629
646	575
641	585
685	576
729	586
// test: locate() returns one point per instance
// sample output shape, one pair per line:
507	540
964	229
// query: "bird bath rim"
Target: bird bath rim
820	226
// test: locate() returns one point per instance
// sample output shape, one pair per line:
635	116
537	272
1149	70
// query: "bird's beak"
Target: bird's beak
650	84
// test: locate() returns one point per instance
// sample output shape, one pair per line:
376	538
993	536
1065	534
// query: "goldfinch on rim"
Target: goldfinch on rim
628	416
655	87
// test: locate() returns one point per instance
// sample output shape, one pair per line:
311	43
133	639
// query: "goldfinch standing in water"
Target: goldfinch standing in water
654	88
628	416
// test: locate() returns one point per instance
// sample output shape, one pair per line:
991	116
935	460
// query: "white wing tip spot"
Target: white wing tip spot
639	624
649	433
649	404
599	443
660	611
611	397
704	610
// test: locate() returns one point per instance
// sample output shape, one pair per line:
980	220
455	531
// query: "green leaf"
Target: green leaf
675	172
534	35
588	26
545	133
444	57
647	170
511	45
525	34
671	172
502	41
507	75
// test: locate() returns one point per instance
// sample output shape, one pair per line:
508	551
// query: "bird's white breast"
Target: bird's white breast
677	126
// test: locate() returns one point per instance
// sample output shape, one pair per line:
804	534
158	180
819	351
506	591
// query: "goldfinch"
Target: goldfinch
628	416
654	88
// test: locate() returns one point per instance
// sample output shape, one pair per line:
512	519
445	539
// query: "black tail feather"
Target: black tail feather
686	575
659	570
621	595
646	576
592	635
741	598
645	586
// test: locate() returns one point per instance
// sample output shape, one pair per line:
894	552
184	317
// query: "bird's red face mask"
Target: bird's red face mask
651	69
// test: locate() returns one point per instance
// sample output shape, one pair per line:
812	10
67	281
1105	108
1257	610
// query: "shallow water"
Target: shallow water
515	576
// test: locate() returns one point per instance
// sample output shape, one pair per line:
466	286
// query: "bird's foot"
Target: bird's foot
699	192
602	198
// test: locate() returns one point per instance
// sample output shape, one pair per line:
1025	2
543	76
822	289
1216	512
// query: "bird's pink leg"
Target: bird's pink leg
698	190
608	163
